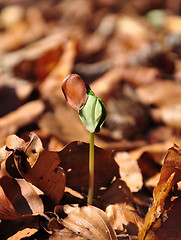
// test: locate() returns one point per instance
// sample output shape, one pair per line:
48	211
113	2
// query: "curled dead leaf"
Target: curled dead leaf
170	175
89	221
172	164
121	209
41	168
18	199
160	194
7	165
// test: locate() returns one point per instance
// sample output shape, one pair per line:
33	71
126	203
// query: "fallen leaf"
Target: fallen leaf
90	222
51	85
26	232
7	165
14	142
160	93
47	62
172	164
136	38
23	31
58	124
150	158
19	228
74	160
160	194
104	86
170	175
129	171
126	117
22	116
121	209
41	168
169	115
18	199
115	72
169	226
65	234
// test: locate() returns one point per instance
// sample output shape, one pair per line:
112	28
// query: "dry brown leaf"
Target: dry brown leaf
120	208
90	222
169	115
65	234
104	86
23	31
160	93
28	61
55	144
172	164
51	85
44	168
140	75
7	167
160	194
129	171
152	182
11	38
155	151
18	199
126	117
58	124
19	228
41	168
24	115
133	39
14	142
26	232
74	160
170	175
168	227
150	158
47	62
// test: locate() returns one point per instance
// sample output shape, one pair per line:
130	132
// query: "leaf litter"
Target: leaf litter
131	60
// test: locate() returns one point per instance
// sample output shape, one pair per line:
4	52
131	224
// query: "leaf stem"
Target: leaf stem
91	170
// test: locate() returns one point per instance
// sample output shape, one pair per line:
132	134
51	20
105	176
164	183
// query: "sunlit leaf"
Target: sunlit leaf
90	222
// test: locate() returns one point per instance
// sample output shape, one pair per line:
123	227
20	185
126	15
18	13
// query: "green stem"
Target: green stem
91	170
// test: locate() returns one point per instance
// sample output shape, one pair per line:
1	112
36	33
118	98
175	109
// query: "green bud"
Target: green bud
93	113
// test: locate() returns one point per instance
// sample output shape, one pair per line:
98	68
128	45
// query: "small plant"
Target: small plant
92	113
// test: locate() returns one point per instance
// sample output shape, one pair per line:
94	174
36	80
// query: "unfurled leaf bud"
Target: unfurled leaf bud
93	113
75	91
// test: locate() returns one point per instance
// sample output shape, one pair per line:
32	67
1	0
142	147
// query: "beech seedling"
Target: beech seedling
92	113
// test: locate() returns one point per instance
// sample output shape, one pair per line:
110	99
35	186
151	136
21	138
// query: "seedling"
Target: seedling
92	113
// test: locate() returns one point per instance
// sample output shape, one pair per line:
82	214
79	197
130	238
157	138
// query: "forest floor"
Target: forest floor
129	52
